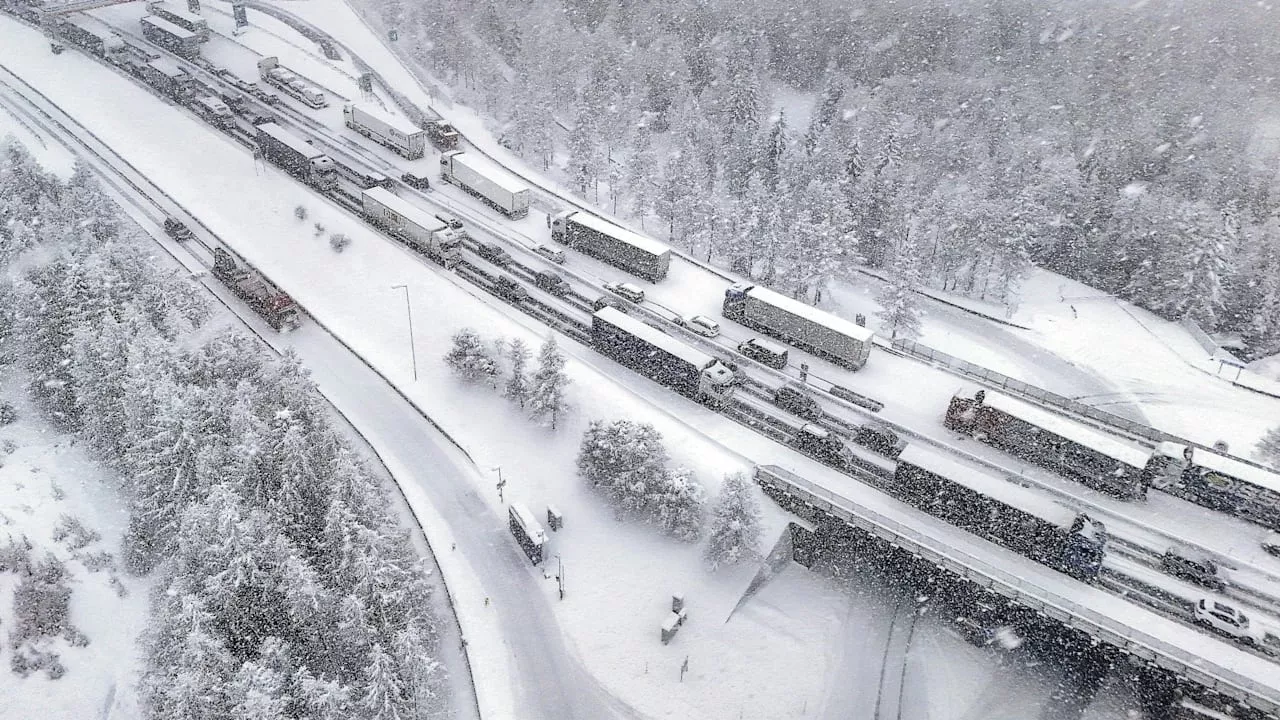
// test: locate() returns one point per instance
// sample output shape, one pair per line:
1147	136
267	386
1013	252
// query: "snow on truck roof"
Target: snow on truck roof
284	137
1070	429
811	313
600	225
995	487
1259	477
532	527
168	27
653	336
414	214
492	172
398	123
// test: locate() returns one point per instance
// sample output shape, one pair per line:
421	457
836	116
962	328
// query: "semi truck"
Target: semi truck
277	308
169	78
798	324
101	43
290	83
661	358
412	225
442	134
399	135
187	21
177	40
493	185
527	531
618	246
296	156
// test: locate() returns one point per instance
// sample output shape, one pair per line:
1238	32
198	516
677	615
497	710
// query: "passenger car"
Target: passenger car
626	291
449	220
550	252
702	325
507	287
493	253
765	352
1192	566
795	400
880	438
1224	619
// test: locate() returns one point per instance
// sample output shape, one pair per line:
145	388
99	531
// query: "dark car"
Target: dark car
1194	567
177	230
822	444
764	352
494	253
416	181
449	220
795	400
880	438
605	301
552	283
510	290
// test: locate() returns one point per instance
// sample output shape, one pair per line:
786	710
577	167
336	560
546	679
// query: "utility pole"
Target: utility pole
413	349
501	483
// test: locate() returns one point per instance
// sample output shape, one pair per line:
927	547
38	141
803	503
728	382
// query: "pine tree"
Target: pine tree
899	304
384	696
774	152
624	460
735	523
1268	448
469	357
679	505
547	396
518	384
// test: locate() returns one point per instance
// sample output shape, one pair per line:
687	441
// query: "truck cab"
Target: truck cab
717	383
1084	547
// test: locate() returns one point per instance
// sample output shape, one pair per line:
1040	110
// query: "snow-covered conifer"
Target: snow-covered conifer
469	357
518	384
679	505
735	523
547	393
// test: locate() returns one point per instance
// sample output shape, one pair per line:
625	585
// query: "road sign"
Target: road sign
241	16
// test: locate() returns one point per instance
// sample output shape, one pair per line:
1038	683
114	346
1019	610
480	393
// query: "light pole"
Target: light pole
501	483
413	350
560	574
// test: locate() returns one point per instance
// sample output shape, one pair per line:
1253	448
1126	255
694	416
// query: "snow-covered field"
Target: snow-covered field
619	577
45	478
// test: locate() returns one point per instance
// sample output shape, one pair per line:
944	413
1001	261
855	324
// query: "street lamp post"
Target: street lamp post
501	483
413	350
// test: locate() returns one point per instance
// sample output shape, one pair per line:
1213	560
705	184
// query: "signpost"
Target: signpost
241	15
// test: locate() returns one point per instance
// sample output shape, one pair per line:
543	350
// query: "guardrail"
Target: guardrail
958	562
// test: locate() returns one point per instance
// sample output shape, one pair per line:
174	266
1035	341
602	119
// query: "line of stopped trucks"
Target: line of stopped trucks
1071	542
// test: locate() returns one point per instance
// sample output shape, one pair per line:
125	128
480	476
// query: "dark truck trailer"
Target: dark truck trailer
798	324
1008	514
179	41
276	307
101	44
660	357
169	78
618	246
187	21
297	156
527	531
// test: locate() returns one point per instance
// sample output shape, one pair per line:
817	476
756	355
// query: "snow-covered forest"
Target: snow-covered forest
1130	146
286	586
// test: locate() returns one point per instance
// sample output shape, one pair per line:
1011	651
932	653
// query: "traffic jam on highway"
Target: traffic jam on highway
1133	552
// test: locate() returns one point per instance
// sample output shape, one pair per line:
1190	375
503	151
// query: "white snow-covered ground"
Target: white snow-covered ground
1103	351
619	576
44	477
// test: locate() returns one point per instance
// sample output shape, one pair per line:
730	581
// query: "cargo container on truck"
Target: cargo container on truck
399	135
297	156
188	21
618	246
169	78
277	308
527	531
290	83
102	43
798	324
412	225
179	41
498	188
214	111
661	358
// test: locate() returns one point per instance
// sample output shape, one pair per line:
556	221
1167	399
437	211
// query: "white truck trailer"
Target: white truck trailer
492	184
798	324
618	246
412	225
399	135
290	83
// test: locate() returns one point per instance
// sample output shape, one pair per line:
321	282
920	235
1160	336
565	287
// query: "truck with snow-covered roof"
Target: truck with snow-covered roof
661	358
297	156
495	186
798	324
269	301
290	83
398	134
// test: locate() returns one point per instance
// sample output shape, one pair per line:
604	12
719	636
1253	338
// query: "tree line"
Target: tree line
286	585
1129	147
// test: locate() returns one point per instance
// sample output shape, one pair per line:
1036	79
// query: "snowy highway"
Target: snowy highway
548	682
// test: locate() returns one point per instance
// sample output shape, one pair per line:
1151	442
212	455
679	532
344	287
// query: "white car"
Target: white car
626	290
702	325
1225	619
1271	543
551	252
